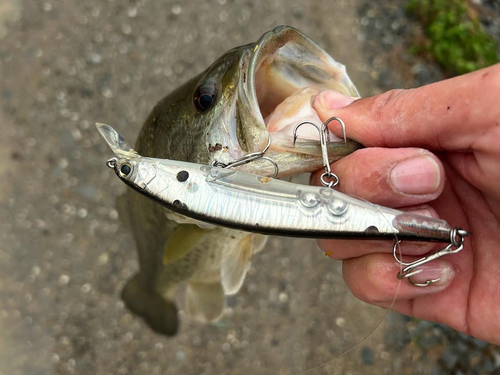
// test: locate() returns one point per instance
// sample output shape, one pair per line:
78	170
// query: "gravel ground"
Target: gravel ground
64	256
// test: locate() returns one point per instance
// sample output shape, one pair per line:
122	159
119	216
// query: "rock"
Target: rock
367	355
449	358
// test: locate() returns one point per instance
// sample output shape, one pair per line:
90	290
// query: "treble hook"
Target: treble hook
250	157
457	238
341	124
324	136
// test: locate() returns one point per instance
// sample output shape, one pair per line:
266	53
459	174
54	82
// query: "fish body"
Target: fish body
221	115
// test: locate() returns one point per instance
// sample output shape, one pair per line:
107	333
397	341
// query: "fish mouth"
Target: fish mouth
285	73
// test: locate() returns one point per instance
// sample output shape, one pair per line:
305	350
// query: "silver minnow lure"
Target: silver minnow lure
261	204
266	205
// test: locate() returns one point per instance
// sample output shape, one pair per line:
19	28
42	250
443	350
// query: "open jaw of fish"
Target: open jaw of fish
249	94
286	72
278	81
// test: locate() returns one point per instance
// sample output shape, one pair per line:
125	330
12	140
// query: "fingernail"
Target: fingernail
332	100
417	176
423	212
441	271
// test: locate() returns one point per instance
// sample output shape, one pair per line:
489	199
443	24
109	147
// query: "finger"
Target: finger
440	116
372	278
479	168
390	177
436	308
345	249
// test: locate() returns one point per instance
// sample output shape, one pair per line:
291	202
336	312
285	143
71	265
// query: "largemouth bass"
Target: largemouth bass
251	93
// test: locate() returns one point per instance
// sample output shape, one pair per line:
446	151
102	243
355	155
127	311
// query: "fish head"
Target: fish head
251	94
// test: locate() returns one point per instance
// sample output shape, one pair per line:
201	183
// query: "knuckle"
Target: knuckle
367	279
385	103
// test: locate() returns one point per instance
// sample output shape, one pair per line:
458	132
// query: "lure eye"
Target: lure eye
125	170
205	96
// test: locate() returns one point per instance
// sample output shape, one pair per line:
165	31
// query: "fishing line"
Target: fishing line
389	309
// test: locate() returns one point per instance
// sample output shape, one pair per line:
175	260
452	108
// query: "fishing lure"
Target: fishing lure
267	205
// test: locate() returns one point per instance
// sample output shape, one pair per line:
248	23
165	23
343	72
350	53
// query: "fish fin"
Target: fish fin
183	239
183	219
205	301
159	313
235	265
116	141
122	206
259	242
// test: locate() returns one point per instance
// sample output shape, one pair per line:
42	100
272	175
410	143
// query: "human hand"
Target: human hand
459	121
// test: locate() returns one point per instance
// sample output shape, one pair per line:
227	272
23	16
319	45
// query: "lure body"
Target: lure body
265	205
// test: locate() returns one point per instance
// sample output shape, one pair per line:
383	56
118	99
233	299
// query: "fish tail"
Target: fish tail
159	313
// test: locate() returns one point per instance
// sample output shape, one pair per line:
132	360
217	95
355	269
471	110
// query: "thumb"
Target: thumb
446	115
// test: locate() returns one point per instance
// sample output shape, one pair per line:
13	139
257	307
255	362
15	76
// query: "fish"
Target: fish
249	97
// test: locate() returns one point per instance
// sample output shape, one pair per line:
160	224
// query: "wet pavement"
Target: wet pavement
64	255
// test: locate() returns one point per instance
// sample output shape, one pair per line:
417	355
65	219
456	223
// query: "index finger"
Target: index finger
446	115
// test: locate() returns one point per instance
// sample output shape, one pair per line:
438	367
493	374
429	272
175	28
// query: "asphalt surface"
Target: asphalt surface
64	255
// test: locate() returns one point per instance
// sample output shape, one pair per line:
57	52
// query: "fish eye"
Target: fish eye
125	169
205	96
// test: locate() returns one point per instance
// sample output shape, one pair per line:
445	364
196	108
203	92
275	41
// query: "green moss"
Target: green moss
455	39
